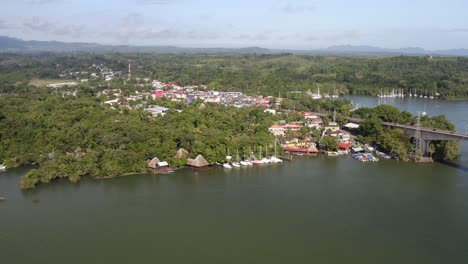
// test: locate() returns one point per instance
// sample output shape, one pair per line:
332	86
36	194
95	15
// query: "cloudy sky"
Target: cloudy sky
291	24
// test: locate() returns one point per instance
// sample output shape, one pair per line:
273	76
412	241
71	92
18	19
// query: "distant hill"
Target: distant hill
8	44
401	51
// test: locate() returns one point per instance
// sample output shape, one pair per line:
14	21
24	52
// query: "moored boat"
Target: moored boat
382	155
244	163
257	162
276	160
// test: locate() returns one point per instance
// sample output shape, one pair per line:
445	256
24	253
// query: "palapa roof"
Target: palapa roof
198	162
163	164
312	148
153	163
181	153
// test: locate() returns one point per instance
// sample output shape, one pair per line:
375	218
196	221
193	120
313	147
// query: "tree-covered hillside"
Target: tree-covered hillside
263	74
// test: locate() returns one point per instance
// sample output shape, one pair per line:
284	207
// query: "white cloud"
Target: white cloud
343	36
38	24
69	30
260	36
43	25
3	24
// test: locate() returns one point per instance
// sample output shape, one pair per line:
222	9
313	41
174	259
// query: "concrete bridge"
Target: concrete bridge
426	134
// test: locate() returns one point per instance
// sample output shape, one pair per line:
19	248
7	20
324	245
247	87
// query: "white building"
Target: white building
157	110
60	85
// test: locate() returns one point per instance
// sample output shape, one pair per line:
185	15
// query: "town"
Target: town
308	136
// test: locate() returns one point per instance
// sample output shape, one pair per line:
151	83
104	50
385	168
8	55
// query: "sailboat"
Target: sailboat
236	164
227	165
266	159
334	95
259	161
274	159
317	95
247	162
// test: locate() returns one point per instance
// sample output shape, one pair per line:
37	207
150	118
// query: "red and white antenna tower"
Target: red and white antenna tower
129	70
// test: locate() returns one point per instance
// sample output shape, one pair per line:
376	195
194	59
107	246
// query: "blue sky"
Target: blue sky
289	24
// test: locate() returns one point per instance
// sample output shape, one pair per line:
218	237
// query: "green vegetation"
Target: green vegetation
394	141
258	74
74	137
329	143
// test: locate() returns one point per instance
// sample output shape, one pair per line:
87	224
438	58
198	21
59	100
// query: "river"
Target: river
311	210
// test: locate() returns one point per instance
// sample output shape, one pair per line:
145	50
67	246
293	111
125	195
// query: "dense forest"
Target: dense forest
73	137
260	74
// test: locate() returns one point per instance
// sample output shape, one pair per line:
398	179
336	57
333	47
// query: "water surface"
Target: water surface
310	210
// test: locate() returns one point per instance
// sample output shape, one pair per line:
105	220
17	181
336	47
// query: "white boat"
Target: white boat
2	167
266	160
260	160
236	164
227	166
276	160
244	163
317	95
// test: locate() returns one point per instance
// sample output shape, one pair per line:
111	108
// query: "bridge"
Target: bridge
426	134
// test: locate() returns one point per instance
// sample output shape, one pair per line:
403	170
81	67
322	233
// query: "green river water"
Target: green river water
311	210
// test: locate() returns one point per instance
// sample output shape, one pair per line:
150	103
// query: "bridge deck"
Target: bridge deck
454	135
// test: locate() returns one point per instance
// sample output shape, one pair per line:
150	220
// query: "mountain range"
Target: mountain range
14	45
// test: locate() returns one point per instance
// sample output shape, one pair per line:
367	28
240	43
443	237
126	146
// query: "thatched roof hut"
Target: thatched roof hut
198	162
312	149
153	163
181	153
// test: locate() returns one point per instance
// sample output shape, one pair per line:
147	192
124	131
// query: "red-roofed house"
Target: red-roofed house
293	127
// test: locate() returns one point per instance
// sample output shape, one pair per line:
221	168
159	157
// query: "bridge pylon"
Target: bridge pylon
417	141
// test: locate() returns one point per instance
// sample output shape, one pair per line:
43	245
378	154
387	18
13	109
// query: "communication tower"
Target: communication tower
129	70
